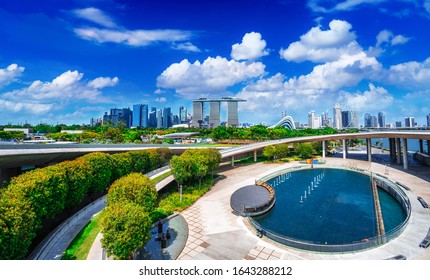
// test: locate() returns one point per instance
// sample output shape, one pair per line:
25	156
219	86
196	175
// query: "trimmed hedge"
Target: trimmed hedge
135	188
42	194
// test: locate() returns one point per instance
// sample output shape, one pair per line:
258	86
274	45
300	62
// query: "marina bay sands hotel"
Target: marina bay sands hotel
214	113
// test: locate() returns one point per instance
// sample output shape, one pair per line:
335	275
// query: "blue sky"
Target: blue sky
68	61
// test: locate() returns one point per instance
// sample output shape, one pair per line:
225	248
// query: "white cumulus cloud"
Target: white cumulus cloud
319	45
28	107
213	76
102	82
376	98
9	74
251	48
66	87
412	75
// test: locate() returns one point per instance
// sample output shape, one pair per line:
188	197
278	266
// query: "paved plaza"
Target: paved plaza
216	233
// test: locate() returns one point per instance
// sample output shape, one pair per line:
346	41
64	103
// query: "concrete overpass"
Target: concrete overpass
14	158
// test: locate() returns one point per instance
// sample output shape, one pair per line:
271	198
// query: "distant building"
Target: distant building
118	115
183	115
410	122
398	124
214	114
354	121
381	119
152	118
167	117
159	119
96	121
337	116
314	121
140	115
428	120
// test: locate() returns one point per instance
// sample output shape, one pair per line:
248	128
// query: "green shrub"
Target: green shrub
44	189
135	188
77	180
18	227
125	229
123	163
102	170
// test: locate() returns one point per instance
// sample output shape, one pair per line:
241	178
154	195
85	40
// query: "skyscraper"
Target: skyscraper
182	114
410	122
346	119
167	118
367	120
118	115
140	115
159	119
381	119
354	119
152	120
337	116
428	120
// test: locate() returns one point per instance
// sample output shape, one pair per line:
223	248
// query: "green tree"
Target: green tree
135	188
269	152
114	134
123	164
125	229
304	150
183	168
168	141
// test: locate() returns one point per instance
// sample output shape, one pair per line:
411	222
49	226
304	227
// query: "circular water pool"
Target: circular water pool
326	206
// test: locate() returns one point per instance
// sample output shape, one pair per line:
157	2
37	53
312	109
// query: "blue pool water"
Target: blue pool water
337	209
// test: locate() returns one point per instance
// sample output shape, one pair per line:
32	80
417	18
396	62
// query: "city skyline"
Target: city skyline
67	62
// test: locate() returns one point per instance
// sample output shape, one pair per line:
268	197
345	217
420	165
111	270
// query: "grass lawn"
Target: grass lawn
161	177
81	245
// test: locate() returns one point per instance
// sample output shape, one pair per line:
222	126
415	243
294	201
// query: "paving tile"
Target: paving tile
254	252
263	256
249	257
267	250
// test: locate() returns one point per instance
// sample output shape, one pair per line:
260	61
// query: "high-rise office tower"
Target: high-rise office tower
398	124
410	122
381	119
346	119
152	119
354	119
167	118
118	115
182	114
337	116
159	119
428	120
140	115
367	120
137	113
